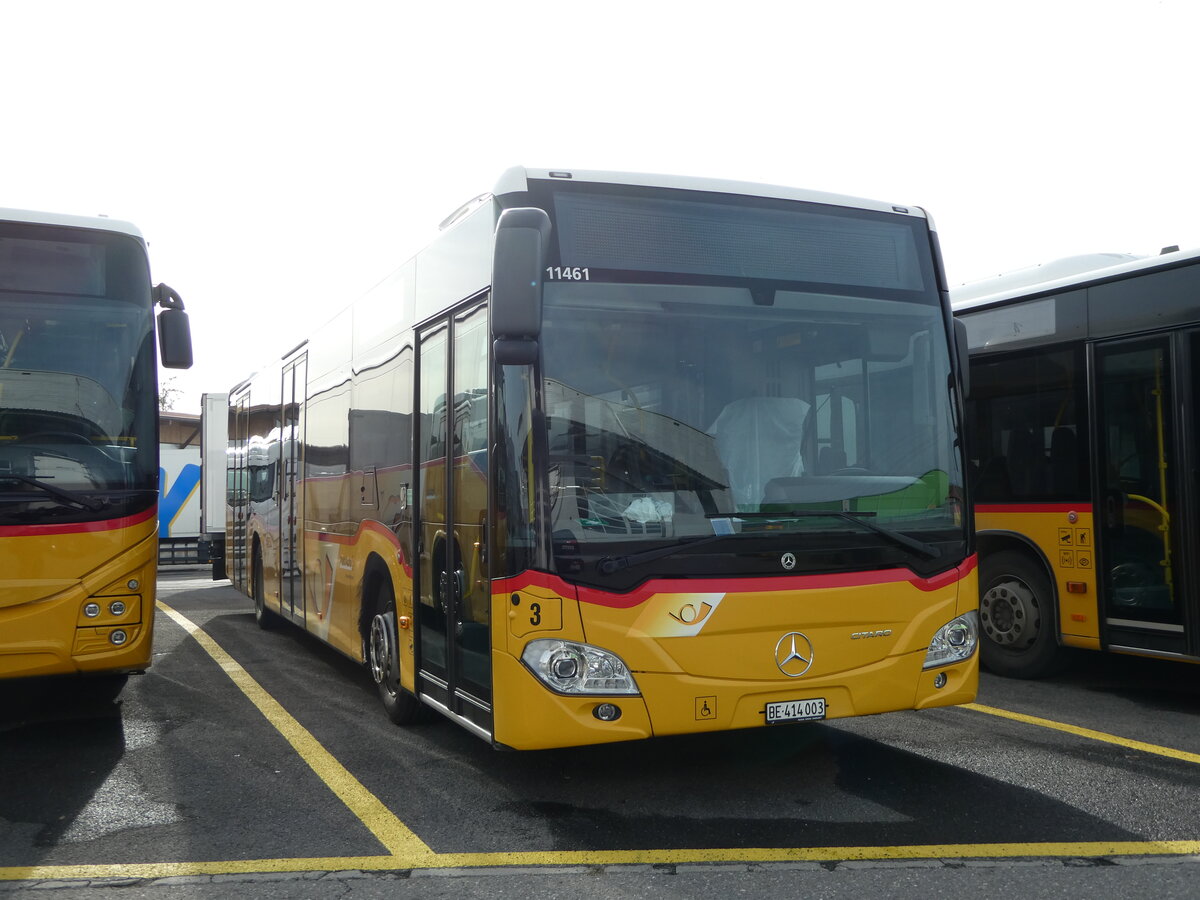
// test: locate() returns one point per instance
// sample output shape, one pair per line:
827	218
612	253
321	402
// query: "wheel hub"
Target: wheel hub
1009	614
380	650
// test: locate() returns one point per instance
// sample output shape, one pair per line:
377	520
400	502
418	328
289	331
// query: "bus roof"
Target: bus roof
1062	275
516	180
96	223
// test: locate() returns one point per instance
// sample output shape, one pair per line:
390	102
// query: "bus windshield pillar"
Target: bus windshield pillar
520	492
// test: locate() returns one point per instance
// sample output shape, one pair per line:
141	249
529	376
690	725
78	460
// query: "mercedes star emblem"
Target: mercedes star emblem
794	654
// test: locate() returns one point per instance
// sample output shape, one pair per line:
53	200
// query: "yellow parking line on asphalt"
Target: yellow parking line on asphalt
404	846
1089	733
1052	850
406	851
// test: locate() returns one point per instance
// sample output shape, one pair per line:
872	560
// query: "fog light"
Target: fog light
133	584
92	610
939	680
607	712
117	607
118	637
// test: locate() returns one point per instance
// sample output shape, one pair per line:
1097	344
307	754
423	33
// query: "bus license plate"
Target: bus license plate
795	710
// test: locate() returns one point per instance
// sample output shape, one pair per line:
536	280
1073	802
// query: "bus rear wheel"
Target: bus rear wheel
384	661
1016	615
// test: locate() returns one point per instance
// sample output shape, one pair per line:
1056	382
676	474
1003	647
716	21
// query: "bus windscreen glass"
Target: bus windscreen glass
77	410
769	401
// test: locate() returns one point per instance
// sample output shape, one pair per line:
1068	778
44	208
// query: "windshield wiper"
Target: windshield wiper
611	564
68	497
858	518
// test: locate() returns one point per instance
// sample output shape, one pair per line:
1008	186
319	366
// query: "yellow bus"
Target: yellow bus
619	456
1082	434
79	446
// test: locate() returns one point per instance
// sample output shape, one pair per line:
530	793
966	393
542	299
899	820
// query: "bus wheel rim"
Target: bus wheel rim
380	650
1009	613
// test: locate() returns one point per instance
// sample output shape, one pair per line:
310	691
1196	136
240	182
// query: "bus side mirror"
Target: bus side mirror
522	242
964	366
174	332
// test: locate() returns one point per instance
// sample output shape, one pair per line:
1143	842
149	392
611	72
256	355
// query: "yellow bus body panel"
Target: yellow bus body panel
43	627
1065	535
334	577
337	568
706	660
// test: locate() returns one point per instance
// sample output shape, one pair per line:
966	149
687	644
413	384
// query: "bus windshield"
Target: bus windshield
688	410
77	392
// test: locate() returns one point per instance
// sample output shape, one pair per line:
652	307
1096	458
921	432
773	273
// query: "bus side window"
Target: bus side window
1025	412
993	479
1026	461
1064	462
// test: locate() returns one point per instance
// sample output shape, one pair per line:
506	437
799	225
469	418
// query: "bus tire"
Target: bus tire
1016	616
383	659
265	619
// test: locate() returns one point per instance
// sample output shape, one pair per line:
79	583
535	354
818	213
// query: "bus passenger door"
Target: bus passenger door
291	495
453	628
1141	466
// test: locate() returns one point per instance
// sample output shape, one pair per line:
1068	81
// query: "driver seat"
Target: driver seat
758	439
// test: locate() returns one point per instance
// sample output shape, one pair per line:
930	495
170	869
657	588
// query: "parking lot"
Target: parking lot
260	762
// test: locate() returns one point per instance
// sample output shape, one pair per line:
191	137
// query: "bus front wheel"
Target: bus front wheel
1016	616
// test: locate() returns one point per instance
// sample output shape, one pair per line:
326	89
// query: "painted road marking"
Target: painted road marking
395	836
407	851
1089	733
1073	850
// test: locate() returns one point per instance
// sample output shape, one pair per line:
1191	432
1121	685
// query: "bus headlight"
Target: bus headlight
954	641
570	668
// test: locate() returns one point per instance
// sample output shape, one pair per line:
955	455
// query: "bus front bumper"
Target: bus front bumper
528	716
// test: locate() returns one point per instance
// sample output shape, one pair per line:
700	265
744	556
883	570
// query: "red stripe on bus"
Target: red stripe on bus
349	540
1081	507
735	585
78	527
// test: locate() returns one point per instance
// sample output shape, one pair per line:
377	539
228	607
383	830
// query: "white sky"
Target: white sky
282	157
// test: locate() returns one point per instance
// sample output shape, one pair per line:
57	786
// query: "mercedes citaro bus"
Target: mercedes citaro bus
618	456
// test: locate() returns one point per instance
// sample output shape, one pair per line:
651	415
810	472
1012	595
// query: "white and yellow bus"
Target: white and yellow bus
79	446
618	456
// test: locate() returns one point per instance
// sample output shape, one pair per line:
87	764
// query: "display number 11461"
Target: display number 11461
566	273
